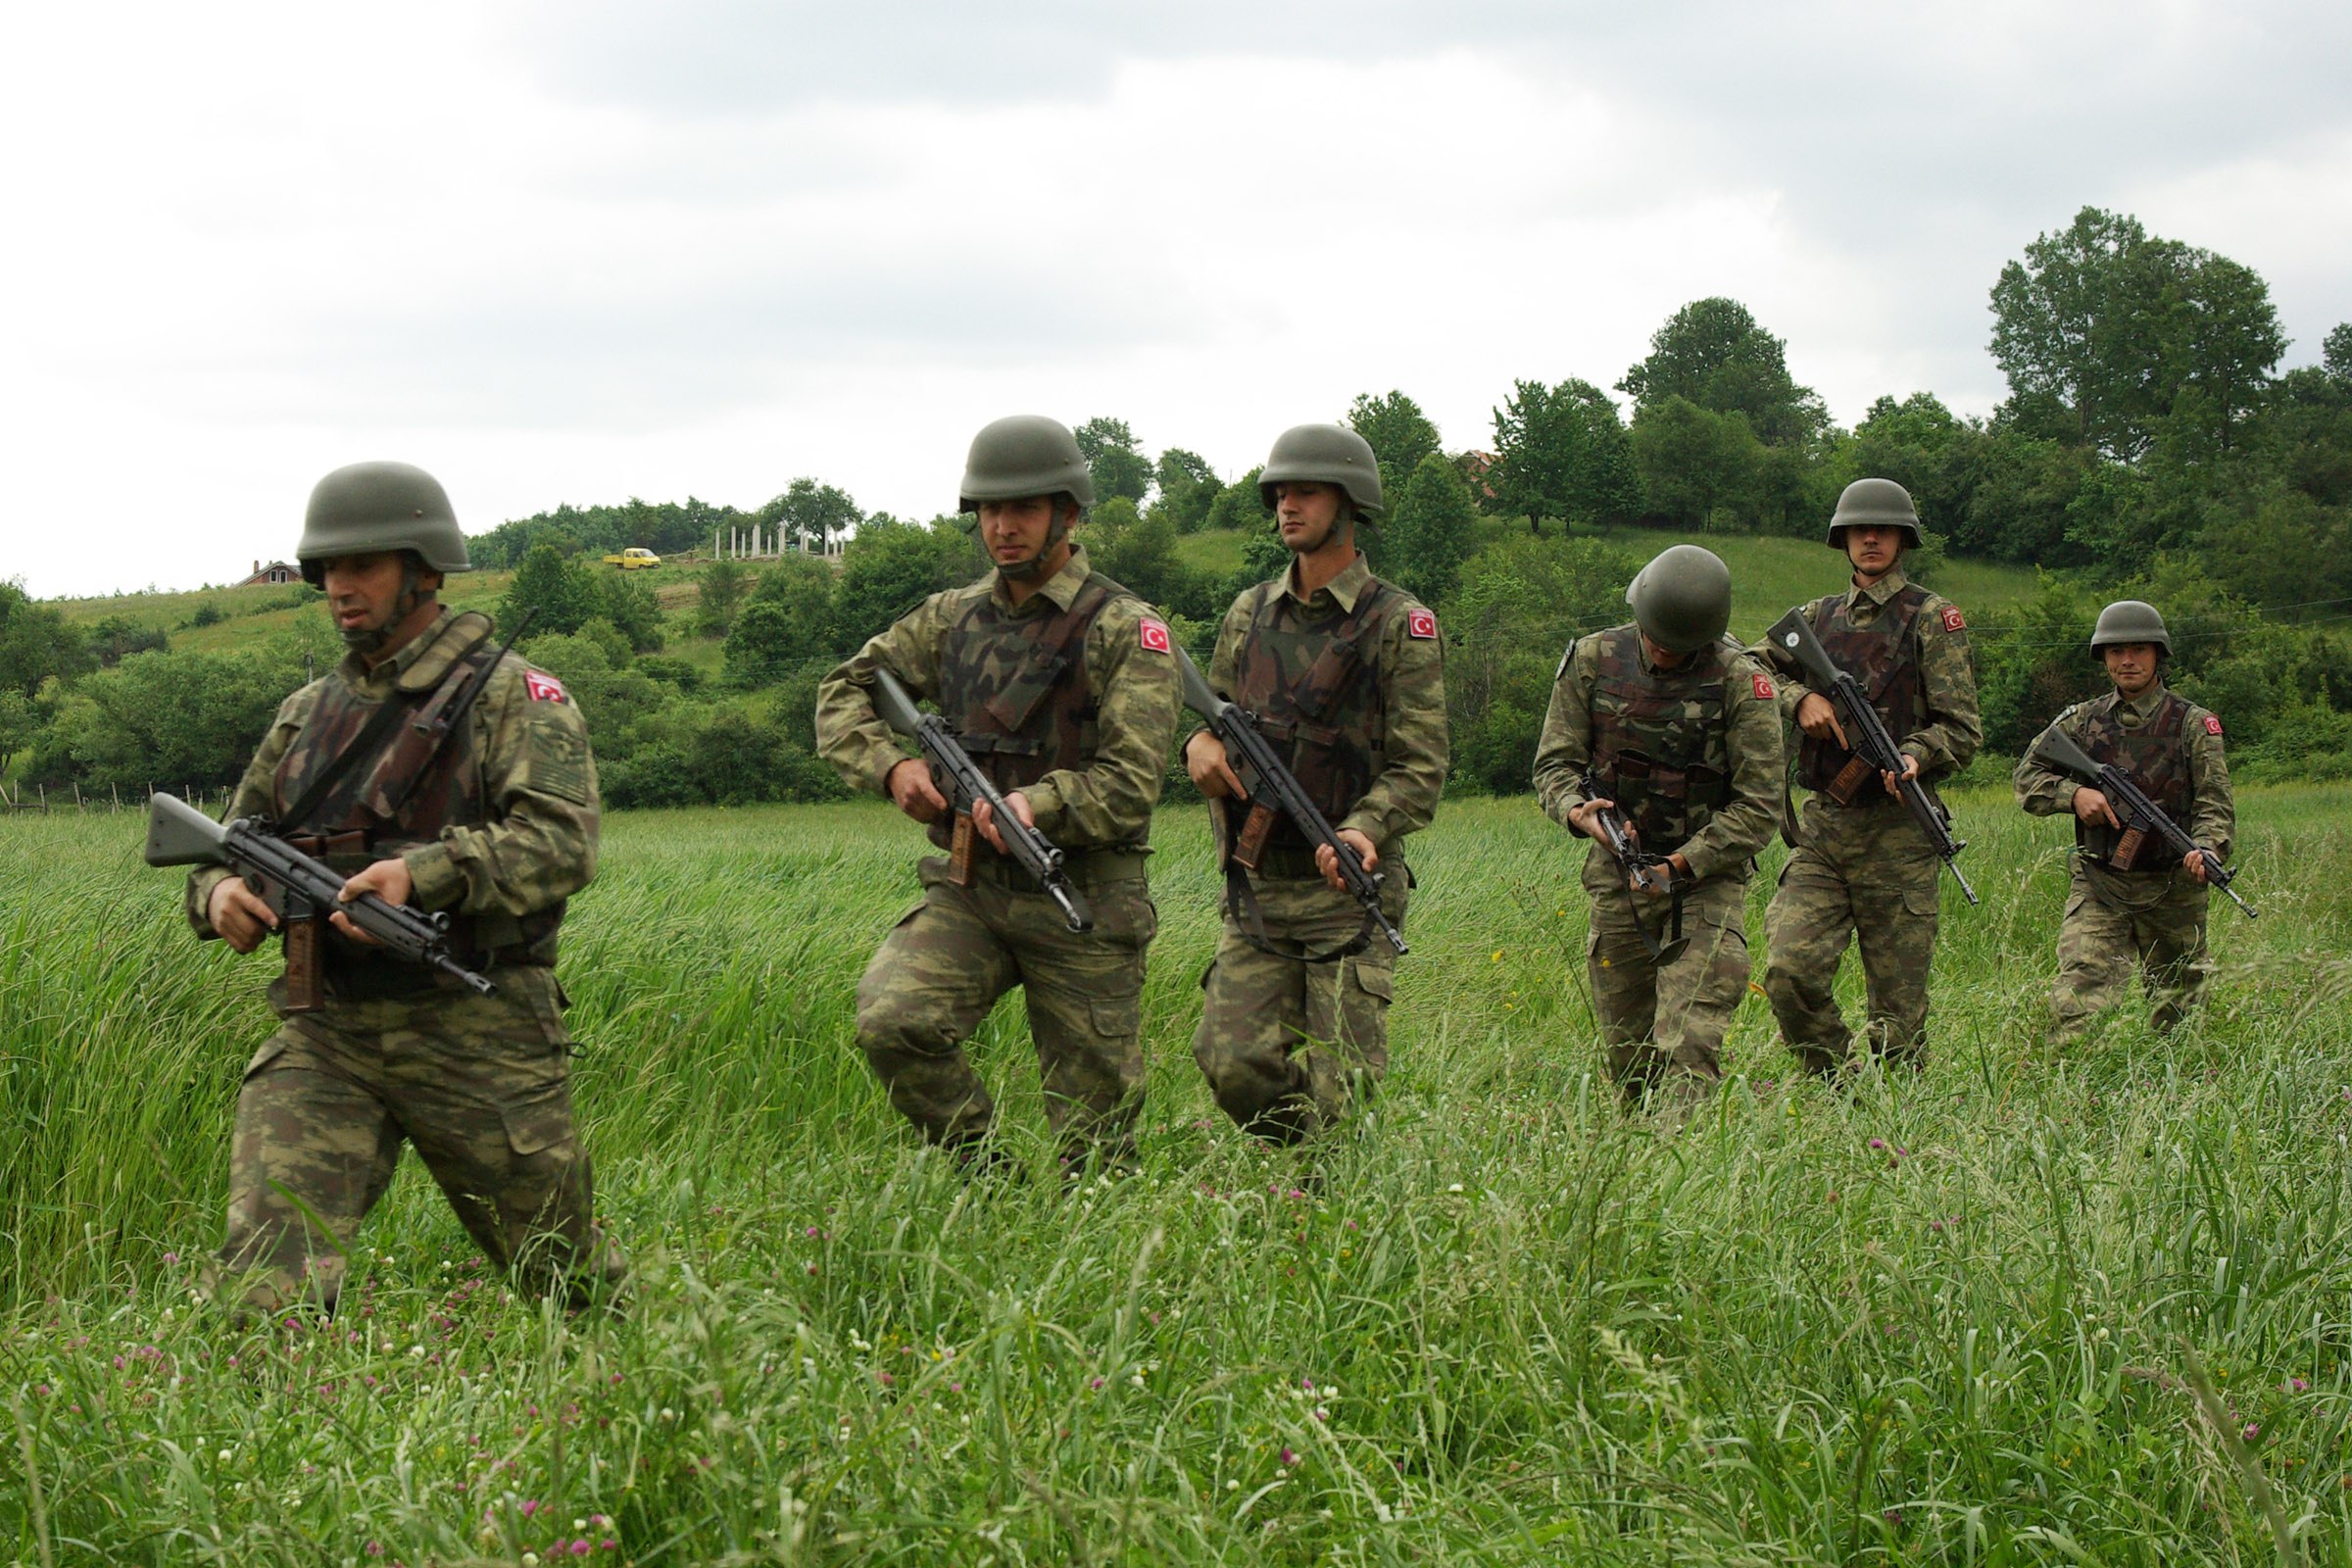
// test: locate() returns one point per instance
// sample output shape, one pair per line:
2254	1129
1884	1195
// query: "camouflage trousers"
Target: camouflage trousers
2117	926
948	961
1865	874
1287	1044
480	1085
1662	1025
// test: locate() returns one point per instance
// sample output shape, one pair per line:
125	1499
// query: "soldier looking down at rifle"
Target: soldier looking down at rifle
439	771
2131	905
1863	870
1664	734
1344	676
1059	687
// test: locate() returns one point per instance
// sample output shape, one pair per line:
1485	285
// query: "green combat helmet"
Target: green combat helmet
2130	620
372	507
1882	502
1329	454
1683	599
1025	455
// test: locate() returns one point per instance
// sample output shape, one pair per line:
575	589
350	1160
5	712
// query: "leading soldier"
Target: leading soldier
2135	911
1669	722
1862	870
1063	687
496	824
1346	678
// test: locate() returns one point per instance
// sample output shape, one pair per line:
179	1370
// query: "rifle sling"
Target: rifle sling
1242	899
368	745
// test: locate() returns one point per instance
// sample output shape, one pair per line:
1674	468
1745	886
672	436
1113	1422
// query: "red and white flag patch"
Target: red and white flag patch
1153	635
1952	620
1763	689
2213	725
544	688
1421	623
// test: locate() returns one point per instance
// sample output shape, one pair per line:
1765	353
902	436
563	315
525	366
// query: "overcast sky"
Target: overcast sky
578	251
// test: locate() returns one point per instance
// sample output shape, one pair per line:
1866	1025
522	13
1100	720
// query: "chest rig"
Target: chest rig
1012	688
1883	660
1311	678
1658	747
2155	756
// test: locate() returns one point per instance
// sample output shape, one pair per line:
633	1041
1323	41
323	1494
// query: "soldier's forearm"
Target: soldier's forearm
523	865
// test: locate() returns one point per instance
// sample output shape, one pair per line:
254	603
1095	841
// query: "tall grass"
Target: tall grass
1962	1318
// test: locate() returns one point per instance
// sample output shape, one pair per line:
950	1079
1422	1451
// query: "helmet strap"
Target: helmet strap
1056	533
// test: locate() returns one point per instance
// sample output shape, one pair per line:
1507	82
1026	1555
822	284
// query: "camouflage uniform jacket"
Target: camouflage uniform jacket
1950	729
1749	746
1404	726
2210	817
1126	660
532	780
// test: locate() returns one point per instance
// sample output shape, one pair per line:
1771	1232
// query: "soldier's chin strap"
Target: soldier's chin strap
1242	898
364	642
1054	535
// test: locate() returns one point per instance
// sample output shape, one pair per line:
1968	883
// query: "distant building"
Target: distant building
275	571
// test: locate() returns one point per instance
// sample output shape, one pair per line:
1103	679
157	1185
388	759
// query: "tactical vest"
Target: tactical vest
1311	678
1883	660
2154	757
1659	748
397	801
1013	687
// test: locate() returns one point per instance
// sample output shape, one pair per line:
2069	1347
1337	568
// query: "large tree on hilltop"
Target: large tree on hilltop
1400	435
1713	354
1114	458
1561	452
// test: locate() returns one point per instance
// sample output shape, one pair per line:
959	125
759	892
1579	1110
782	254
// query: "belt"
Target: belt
1083	866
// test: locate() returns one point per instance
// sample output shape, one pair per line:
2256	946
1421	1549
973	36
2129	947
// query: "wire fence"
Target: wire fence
40	799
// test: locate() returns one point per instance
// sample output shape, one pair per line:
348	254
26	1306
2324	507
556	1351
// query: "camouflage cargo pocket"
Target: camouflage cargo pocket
538	1119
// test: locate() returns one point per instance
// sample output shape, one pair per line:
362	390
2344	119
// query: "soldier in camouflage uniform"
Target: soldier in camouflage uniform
497	825
1063	687
1862	870
2145	913
1348	679
1667	721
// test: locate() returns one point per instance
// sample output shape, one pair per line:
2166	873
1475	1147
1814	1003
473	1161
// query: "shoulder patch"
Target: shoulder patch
1764	693
1952	620
1152	635
543	687
2213	724
1421	623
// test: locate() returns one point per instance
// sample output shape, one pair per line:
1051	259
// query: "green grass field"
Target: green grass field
1964	1318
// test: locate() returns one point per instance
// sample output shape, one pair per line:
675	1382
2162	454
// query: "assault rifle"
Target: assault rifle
1643	872
967	787
2142	819
1872	749
1273	789
304	892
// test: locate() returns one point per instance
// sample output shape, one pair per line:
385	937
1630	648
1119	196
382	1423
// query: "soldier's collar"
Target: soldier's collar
1062	588
425	662
1348	587
2137	709
1880	592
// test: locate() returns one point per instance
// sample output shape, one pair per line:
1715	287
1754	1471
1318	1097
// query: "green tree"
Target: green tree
788	623
889	568
1187	487
2335	353
36	642
1114	459
1713	354
1239	508
1561	452
563	591
1400	435
2106	334
810	509
1430	530
627	600
19	720
721	591
1140	552
1699	468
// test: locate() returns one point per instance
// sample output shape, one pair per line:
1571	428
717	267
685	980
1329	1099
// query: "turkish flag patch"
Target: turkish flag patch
544	688
2213	725
1421	623
1763	689
1952	620
1153	635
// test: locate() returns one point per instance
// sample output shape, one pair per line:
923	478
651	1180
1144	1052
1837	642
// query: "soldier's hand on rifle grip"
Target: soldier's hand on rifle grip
1817	716
2194	863
1327	859
240	914
2092	808
1204	760
911	790
984	817
388	880
1579	817
1896	781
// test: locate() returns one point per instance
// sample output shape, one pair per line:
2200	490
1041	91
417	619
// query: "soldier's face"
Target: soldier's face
1306	510
1873	550
363	592
1015	532
2131	665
